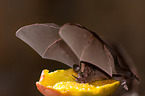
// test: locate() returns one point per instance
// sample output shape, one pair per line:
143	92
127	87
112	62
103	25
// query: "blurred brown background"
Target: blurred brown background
122	21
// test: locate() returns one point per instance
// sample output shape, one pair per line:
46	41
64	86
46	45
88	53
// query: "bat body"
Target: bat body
79	48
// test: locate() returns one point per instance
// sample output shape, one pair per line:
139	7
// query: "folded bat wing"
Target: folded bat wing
87	47
45	40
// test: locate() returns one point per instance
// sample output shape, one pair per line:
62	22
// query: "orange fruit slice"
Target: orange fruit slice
62	83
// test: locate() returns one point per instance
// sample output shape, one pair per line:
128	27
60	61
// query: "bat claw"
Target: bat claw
124	85
75	77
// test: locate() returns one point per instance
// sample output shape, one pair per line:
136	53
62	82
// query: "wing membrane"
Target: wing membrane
75	37
62	53
87	47
39	36
45	40
95	53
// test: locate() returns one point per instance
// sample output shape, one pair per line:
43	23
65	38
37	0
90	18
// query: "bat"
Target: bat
83	50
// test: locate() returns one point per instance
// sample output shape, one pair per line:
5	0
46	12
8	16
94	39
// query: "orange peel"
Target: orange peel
62	83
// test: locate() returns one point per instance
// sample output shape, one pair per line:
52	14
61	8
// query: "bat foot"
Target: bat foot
124	85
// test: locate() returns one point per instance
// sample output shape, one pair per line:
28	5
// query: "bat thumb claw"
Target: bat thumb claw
75	77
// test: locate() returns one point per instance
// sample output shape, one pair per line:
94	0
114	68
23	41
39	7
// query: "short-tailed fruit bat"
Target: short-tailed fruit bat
81	49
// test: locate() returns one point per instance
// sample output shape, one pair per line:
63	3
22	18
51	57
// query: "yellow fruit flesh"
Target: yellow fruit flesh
63	82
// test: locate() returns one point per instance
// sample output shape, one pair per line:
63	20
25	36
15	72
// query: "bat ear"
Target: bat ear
76	67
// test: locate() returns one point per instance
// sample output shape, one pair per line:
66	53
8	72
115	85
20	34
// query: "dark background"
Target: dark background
122	21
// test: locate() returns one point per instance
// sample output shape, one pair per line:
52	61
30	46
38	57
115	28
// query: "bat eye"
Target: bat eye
76	67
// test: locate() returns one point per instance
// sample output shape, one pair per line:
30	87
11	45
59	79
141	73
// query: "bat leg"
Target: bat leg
126	82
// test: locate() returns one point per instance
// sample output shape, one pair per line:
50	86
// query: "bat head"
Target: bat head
88	73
